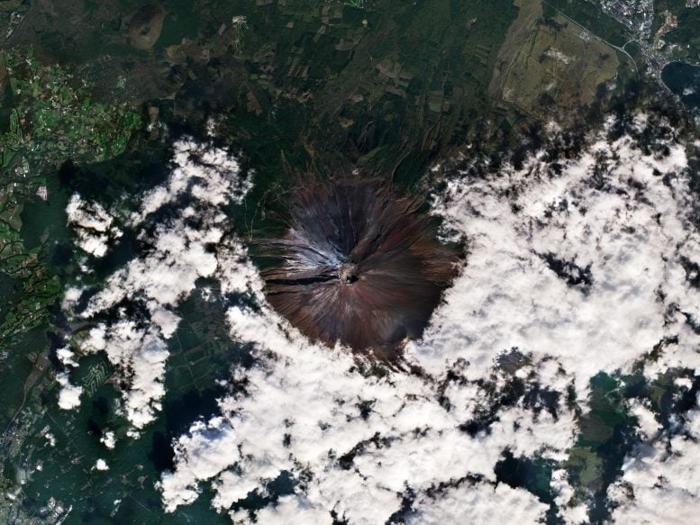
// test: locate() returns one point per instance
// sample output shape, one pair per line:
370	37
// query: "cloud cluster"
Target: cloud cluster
571	271
574	267
661	479
482	503
69	396
355	442
584	263
174	253
93	226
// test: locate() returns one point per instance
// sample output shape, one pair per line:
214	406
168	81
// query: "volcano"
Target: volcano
357	264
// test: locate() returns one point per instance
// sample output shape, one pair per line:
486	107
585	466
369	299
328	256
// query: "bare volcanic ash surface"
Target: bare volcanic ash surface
358	264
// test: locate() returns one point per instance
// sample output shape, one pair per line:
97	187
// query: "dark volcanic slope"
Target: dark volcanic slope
359	265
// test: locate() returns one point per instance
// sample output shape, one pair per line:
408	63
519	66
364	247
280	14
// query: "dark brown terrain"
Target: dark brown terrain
358	264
